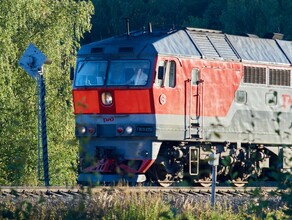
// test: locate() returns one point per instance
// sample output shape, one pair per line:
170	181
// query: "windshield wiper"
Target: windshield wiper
81	67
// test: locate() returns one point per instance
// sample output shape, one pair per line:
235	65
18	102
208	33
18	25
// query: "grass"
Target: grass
126	205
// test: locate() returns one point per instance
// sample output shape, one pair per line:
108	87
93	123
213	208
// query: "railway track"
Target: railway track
66	192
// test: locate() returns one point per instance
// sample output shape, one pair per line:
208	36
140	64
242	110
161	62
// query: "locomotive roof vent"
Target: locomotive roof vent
204	30
274	36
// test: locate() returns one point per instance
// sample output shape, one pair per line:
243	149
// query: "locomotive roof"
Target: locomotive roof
200	43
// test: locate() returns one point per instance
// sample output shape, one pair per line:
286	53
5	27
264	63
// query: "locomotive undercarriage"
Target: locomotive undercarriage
172	162
189	162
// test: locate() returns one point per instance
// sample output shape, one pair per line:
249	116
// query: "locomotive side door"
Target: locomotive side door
195	122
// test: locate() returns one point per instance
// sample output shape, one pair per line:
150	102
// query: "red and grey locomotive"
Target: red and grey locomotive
152	106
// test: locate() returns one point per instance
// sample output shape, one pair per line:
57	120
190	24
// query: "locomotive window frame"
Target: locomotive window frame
196	76
160	74
171	74
166	74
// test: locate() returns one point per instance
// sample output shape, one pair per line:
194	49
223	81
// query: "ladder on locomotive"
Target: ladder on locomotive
195	116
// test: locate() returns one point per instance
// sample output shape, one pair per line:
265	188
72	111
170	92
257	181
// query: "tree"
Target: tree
257	17
240	16
56	28
231	16
110	15
286	18
213	13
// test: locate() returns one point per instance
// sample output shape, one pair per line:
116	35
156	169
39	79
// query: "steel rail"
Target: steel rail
22	191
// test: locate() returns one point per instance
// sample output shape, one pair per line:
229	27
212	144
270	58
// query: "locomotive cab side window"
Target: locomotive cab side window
166	74
195	76
160	74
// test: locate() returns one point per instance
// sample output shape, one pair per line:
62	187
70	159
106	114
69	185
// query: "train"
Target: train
165	106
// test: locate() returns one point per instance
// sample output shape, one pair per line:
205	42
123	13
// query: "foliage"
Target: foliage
55	27
232	16
124	204
260	17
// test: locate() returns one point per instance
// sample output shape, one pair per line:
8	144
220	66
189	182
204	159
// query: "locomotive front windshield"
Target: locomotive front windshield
91	73
113	73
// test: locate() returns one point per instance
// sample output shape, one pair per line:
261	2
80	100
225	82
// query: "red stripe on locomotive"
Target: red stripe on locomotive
124	102
86	101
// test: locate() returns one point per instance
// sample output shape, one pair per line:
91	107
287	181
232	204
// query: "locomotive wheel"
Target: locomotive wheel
167	181
206	182
159	174
239	182
164	178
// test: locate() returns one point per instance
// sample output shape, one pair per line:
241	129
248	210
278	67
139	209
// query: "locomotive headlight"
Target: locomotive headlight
106	98
81	129
129	129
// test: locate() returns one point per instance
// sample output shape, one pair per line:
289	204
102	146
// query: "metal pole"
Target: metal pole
214	177
39	125
44	130
32	62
